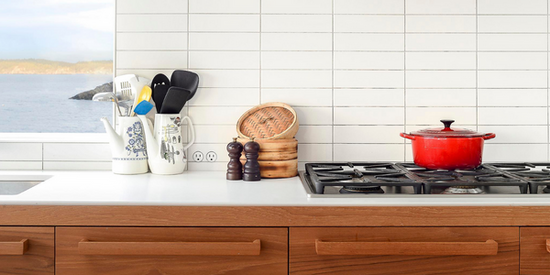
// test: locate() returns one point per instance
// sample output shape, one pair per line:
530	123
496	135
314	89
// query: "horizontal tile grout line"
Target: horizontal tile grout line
380	143
340	32
388	125
347	51
366	70
358	14
382	106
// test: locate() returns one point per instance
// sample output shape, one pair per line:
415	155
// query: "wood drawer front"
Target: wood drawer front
365	250
535	254
141	250
27	250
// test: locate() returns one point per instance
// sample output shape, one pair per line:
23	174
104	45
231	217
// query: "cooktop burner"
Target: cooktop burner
375	178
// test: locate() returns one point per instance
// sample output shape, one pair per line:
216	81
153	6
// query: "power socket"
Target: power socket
198	156
211	156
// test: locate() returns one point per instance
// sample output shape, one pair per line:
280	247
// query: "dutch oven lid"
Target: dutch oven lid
447	132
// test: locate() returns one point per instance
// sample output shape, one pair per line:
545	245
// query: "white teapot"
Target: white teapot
128	146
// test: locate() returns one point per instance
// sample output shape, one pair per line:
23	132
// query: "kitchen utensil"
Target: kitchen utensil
175	100
127	88
145	94
274	120
143	107
234	167
277	168
129	154
186	80
447	148
166	151
107	96
159	85
275	149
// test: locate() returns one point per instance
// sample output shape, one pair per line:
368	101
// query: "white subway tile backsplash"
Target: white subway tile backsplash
77	152
296	41
315	152
224	60
368	152
512	7
296	6
432	115
512	97
297	60
368	79
512	42
369	60
515	152
314	115
512	116
224	41
368	116
77	165
512	60
441	97
148	73
226	97
215	133
147	6
367	134
369	23
298	97
314	134
20	151
368	97
151	23
224	22
441	42
224	6
441	23
217	115
368	42
512	79
20	165
369	6
440	6
441	79
516	134
152	41
296	79
229	78
296	23
440	60
152	59
504	24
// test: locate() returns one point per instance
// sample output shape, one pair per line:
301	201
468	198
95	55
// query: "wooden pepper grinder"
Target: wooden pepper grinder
252	167
234	167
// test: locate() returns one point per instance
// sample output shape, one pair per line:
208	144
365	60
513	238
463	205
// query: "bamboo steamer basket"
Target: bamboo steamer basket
274	120
277	169
275	149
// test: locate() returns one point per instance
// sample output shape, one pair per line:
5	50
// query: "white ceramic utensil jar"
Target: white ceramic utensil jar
128	147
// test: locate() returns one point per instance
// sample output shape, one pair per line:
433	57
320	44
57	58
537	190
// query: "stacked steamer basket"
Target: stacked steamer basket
273	125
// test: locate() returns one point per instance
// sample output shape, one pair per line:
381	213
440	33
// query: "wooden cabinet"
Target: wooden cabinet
404	250
141	250
27	250
535	251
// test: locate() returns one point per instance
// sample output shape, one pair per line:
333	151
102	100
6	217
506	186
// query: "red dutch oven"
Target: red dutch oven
447	148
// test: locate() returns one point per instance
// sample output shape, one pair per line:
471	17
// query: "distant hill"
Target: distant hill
41	66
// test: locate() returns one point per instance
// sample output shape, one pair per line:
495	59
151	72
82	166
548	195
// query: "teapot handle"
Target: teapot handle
192	128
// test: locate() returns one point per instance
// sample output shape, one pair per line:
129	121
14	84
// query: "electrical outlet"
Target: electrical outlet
198	156
211	156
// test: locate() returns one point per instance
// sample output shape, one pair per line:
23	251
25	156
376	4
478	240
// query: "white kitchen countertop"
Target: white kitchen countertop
202	188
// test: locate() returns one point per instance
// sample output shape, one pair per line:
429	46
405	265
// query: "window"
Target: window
50	51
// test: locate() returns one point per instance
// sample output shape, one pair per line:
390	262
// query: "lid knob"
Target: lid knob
447	123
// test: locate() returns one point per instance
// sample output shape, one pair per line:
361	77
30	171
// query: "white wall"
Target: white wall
358	72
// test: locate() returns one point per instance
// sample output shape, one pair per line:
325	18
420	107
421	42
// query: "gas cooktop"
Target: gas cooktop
379	178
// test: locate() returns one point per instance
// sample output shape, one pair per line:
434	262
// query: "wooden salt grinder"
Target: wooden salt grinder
234	167
252	167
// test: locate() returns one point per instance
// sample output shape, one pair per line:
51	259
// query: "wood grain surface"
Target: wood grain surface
304	259
272	258
18	215
38	259
535	259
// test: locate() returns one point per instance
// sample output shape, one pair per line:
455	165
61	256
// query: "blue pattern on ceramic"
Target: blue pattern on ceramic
136	142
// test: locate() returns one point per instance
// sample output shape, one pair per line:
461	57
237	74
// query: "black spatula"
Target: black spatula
175	100
160	85
187	80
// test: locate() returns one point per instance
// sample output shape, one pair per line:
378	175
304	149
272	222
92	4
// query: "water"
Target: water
41	104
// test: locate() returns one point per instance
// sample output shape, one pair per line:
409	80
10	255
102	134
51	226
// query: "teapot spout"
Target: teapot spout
152	147
115	140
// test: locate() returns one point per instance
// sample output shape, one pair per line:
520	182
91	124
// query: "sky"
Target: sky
59	30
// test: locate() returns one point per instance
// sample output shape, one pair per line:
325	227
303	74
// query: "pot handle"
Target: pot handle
489	136
404	135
